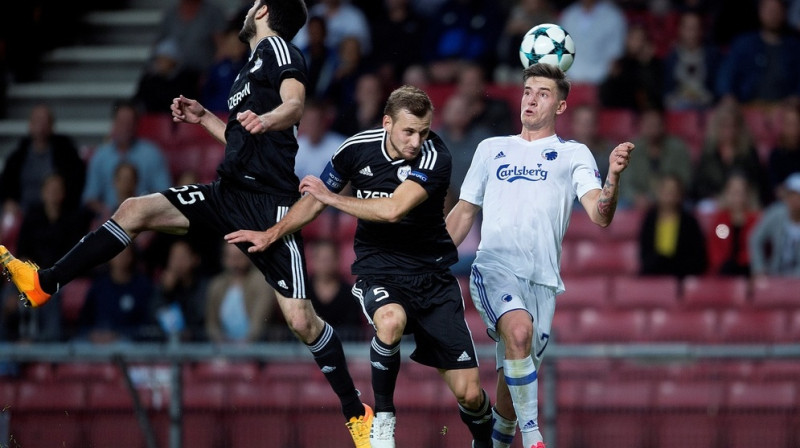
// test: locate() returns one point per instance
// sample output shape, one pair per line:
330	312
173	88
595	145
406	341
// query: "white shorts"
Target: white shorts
496	290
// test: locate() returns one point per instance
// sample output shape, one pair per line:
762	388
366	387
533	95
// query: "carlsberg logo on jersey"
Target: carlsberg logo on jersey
238	96
511	173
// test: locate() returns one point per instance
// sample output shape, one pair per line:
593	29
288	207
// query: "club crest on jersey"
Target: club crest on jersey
256	65
549	154
403	172
512	173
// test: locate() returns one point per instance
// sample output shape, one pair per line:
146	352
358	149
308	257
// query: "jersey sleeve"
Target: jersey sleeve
585	175
279	61
433	167
339	170
474	185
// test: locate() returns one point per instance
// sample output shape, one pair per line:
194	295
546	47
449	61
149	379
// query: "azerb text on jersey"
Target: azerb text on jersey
418	243
263	162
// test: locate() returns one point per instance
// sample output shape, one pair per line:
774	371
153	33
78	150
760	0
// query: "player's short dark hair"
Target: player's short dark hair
550	72
410	98
286	17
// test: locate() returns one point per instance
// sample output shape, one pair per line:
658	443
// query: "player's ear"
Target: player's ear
261	12
562	106
387	123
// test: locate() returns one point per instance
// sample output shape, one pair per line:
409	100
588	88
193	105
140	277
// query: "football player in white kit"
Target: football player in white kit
526	185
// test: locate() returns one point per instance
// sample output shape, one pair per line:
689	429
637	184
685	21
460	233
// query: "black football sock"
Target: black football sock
94	249
479	422
385	360
329	355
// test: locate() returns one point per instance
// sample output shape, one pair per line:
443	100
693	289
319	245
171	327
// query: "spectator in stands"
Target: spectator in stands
584	129
659	153
462	31
598	28
784	158
350	66
165	78
230	58
762	66
238	306
321	59
330	292
343	20
398	35
523	16
793	15
775	241
38	155
485	110
461	138
670	240
197	27
690	67
123	145
728	147
316	141
730	227
48	229
635	80
118	304
367	110
182	289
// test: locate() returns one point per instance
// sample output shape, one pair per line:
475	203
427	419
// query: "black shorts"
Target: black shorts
435	311
224	208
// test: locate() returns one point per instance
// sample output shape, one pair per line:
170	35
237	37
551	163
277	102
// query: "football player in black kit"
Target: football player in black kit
256	187
399	175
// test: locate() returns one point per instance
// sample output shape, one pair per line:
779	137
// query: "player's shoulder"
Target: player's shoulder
277	49
360	141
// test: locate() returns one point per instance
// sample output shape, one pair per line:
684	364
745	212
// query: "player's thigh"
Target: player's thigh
151	212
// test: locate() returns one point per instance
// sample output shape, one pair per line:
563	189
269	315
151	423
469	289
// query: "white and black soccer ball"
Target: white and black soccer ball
547	43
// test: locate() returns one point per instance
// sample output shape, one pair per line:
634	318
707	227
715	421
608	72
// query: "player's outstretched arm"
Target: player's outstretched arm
602	204
460	219
405	197
186	110
301	213
287	114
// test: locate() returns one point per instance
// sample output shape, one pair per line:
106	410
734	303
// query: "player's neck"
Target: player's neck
260	35
536	134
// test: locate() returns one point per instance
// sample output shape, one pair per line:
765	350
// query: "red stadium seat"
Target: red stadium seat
591	291
595	326
158	128
687	413
714	292
563	328
759	414
38	371
582	93
581	227
48	414
612	413
87	372
748	326
202	403
698	326
223	370
261	412
626	225
617	125
608	257
777	292
689	125
631	292
73	295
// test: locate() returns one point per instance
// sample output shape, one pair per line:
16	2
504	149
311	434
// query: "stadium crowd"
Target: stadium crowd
707	90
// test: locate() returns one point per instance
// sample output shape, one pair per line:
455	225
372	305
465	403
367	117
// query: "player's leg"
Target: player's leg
474	405
326	348
516	330
504	418
134	215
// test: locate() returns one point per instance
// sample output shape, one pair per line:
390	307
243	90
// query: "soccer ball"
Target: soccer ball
547	43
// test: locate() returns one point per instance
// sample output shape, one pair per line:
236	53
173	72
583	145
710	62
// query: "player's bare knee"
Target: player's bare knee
519	337
390	323
130	215
471	396
306	325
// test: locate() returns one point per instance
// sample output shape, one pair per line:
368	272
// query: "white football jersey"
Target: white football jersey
527	190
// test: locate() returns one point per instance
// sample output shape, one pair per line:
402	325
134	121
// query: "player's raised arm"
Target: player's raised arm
602	204
186	110
460	219
405	197
287	114
302	212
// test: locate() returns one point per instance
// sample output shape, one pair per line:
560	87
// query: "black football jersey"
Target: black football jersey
419	243
263	162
